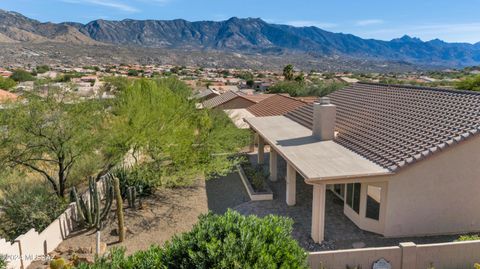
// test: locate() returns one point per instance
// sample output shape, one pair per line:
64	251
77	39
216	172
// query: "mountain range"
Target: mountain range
250	35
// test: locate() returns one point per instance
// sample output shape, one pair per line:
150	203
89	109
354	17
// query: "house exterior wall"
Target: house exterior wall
236	104
438	195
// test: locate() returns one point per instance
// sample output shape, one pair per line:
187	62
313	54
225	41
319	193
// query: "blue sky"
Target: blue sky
454	21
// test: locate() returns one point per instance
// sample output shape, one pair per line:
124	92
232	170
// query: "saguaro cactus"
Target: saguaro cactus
89	206
120	218
131	197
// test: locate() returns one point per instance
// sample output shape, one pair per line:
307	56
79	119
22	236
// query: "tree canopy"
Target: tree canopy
151	124
288	72
300	88
50	136
470	83
156	123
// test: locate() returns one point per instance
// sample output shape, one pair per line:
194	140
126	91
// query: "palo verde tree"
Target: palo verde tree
50	136
156	124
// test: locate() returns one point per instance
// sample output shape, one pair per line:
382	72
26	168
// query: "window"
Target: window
339	189
353	196
373	202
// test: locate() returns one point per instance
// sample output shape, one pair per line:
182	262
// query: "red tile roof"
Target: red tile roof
228	96
394	126
275	105
257	97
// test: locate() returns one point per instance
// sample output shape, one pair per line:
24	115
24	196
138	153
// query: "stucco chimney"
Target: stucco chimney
324	114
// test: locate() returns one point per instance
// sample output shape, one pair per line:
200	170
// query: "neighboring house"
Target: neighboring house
276	105
405	160
261	86
224	88
204	95
234	100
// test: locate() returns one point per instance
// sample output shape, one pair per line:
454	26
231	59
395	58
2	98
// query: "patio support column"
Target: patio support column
291	185
318	212
261	150
252	142
273	165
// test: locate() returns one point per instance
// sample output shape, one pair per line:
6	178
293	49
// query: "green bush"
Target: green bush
236	241
468	238
256	175
470	83
3	262
219	241
20	75
7	83
300	89
42	69
139	178
31	206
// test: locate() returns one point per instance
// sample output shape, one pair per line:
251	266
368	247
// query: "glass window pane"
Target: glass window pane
339	189
356	197
373	202
350	195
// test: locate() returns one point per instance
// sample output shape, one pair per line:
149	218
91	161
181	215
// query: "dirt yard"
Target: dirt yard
166	213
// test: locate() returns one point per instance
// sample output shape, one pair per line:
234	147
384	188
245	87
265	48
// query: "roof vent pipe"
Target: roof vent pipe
324	115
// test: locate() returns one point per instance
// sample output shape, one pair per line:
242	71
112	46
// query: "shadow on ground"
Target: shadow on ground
225	192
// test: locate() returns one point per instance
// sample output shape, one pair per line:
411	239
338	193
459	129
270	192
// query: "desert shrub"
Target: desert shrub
137	177
468	237
42	69
116	258
20	75
7	83
256	175
236	241
31	206
60	263
3	262
219	241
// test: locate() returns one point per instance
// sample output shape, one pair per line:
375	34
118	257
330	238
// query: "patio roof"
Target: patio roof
313	159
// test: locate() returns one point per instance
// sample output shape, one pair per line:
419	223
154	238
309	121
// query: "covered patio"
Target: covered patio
340	231
315	157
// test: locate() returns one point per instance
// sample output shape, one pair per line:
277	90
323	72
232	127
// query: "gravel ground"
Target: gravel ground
166	213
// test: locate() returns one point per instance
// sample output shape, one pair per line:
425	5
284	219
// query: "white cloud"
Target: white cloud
105	3
324	25
368	22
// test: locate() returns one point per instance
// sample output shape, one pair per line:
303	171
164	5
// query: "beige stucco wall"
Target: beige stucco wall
438	195
405	256
354	257
236	103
